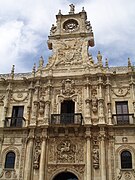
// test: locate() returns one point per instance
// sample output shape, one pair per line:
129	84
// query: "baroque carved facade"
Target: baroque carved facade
75	116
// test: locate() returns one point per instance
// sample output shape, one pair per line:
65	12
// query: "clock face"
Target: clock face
70	25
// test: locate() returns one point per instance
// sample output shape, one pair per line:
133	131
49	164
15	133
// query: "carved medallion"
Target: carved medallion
70	25
121	92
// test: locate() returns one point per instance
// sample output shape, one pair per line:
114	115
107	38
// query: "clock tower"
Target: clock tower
69	40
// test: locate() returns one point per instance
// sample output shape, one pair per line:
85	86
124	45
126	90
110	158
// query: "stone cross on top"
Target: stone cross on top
72	9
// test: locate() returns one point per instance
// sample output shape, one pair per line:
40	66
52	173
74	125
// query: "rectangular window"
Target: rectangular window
17	116
122	112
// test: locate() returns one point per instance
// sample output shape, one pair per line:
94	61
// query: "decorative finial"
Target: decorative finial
106	62
129	62
91	59
99	57
34	69
83	9
13	71
72	9
59	13
41	62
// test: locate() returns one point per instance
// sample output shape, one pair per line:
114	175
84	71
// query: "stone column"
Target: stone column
29	154
47	111
1	142
132	85
108	87
6	103
111	155
100	101
88	154
29	105
87	101
42	158
102	154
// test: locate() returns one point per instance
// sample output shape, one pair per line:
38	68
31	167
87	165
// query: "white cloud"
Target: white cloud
25	24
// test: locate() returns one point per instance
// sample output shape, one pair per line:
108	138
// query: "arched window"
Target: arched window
10	160
126	160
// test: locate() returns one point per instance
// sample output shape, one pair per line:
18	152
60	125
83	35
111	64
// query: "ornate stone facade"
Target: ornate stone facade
73	115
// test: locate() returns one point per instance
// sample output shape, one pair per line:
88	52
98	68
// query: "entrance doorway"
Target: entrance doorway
65	176
67	112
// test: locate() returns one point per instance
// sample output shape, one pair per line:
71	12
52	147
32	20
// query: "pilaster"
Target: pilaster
88	154
43	155
102	137
29	155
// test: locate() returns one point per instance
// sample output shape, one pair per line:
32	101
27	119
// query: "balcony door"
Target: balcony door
67	111
17	116
122	112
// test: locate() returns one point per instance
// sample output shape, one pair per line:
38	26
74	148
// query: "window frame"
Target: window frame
17	121
124	164
8	164
122	118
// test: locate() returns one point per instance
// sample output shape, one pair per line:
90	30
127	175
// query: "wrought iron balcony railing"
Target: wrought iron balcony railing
123	119
66	119
14	122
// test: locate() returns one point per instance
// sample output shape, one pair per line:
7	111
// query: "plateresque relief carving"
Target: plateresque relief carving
68	52
68	87
66	152
94	101
121	92
37	153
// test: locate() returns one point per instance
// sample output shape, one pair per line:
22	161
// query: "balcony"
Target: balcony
14	122
66	119
123	119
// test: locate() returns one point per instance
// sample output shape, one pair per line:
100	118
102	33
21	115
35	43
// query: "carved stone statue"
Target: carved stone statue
72	8
94	101
95	156
53	29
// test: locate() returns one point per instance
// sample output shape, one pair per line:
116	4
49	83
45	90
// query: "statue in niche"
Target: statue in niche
95	155
36	159
94	101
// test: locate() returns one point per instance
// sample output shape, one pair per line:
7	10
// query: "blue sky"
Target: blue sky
25	26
